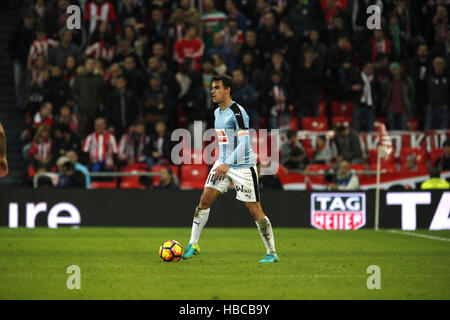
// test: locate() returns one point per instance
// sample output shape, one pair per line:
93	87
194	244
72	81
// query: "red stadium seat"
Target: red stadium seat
156	179
319	167
132	182
358	167
346	121
373	157
421	155
434	155
343	109
293	124
193	176
389	167
104	184
413	124
315	124
310	152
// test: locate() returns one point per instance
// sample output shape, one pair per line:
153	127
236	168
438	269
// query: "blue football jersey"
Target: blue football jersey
231	126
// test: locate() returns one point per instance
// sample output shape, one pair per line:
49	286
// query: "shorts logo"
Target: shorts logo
241	188
338	211
222	136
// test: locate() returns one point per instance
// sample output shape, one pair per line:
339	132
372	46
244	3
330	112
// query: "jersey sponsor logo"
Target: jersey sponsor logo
338	211
222	136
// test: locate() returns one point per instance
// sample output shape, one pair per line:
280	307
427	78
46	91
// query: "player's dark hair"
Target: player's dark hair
226	80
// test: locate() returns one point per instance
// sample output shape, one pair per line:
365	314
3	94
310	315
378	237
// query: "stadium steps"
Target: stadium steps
11	118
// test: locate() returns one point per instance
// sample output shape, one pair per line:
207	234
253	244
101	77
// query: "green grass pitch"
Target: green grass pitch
123	263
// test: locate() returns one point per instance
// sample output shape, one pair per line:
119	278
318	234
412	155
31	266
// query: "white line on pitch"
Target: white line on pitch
406	233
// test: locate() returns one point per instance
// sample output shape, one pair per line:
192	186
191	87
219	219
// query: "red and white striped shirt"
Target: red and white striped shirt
96	13
101	147
232	40
40	47
43	148
128	148
100	50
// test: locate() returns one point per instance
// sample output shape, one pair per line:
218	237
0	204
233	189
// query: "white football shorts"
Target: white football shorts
245	182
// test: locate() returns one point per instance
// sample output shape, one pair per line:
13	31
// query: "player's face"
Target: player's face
218	92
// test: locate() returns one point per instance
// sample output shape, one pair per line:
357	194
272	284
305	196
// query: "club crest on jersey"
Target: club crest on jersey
222	136
338	211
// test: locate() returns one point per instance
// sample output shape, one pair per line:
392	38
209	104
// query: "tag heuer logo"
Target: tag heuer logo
338	211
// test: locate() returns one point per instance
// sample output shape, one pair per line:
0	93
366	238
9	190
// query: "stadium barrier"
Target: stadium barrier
408	210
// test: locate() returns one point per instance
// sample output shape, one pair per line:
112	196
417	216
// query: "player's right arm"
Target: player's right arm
3	161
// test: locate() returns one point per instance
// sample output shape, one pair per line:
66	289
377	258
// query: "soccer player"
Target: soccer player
235	165
3	161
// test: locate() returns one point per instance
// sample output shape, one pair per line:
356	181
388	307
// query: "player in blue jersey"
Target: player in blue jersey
236	165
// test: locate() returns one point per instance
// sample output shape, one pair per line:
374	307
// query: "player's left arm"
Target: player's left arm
3	161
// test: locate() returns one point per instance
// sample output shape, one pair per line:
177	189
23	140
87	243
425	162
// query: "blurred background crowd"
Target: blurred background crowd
108	96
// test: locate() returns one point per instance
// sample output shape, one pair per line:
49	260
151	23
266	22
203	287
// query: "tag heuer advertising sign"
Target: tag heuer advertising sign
338	211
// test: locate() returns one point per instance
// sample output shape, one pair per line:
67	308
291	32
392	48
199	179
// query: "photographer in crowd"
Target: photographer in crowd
68	176
344	179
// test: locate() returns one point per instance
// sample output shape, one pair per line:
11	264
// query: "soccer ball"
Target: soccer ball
170	251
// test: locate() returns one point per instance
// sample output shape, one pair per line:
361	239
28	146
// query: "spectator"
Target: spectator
443	162
244	94
233	38
99	11
160	148
286	147
308	82
377	44
156	104
381	67
323	153
158	28
34	84
345	179
19	47
277	98
435	181
88	91
67	118
319	49
298	160
66	48
278	64
64	140
122	107
213	21
288	44
207	74
101	147
101	43
189	47
252	72
192	16
399	97
418	69
251	45
40	46
268	182
234	14
340	60
167	179
220	67
43	116
134	145
347	145
40	153
219	48
70	71
136	80
367	91
72	155
438	96
69	177
268	35
56	89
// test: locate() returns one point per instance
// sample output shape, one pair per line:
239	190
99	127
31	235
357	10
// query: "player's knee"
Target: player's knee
206	200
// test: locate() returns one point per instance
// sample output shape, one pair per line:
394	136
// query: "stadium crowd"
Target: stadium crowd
108	96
